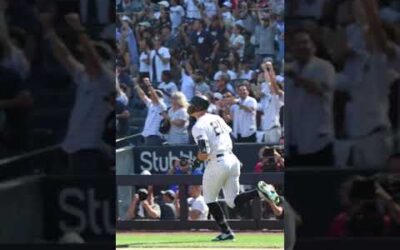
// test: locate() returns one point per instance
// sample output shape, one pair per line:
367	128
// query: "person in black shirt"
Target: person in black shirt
201	40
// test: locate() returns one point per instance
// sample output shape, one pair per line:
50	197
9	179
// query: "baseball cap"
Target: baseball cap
145	24
199	72
143	190
227	4
240	23
170	193
164	3
126	19
145	172
218	96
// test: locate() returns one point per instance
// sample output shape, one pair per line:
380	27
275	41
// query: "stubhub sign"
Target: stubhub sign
160	159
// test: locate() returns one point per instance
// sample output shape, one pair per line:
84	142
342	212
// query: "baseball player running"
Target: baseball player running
222	171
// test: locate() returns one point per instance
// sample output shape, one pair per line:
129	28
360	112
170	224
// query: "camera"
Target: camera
142	194
268	159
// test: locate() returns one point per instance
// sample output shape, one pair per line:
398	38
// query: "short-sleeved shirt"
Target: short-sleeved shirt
159	65
176	14
179	114
312	130
200	205
244	123
187	86
153	118
168	211
202	87
88	116
234	40
213	128
270	105
203	42
144	67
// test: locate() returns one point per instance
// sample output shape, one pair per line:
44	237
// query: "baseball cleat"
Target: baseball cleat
267	192
223	237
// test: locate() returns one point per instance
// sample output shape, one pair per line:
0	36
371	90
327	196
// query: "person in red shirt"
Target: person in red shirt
270	160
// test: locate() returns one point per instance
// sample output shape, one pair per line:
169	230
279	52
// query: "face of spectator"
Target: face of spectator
243	92
197	26
221	83
223	67
166	198
157	43
303	46
165	32
235	30
165	77
194	191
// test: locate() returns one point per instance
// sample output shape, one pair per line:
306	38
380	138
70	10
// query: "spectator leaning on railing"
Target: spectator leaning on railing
156	106
83	142
179	119
270	105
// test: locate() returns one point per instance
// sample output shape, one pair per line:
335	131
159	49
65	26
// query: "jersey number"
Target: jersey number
217	127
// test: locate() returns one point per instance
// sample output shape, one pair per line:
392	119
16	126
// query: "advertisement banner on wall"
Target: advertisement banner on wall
160	159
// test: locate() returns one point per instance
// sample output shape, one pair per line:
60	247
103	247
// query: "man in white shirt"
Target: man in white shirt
188	85
308	105
223	69
156	106
193	8
167	87
176	13
271	104
236	40
367	80
159	61
210	8
83	142
244	116
198	209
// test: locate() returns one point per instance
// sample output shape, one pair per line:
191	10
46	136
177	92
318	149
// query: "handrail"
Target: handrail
127	137
28	154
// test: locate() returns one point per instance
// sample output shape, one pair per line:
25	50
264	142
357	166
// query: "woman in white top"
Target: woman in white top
179	119
236	40
145	50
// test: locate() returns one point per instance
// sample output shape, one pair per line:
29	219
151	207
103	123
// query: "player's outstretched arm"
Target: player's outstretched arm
93	60
59	49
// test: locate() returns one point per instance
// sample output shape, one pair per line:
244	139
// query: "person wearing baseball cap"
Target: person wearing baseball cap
168	209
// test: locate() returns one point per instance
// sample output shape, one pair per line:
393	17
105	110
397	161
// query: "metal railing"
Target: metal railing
183	223
25	164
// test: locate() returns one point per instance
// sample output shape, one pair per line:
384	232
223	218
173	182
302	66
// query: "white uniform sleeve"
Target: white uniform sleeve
199	134
225	126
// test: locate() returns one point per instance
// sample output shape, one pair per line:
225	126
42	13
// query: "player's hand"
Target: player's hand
73	21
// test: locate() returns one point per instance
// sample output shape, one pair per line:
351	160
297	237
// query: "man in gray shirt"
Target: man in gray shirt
265	38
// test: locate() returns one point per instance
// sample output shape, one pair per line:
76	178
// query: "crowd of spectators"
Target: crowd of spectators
342	74
229	51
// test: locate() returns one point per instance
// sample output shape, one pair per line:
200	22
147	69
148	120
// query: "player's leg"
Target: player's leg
213	179
232	187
